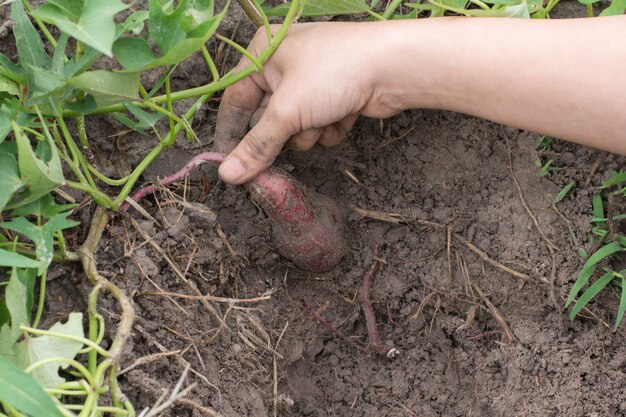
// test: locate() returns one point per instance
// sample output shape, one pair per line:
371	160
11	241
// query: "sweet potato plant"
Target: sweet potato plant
46	96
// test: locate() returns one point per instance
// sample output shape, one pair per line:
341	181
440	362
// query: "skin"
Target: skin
562	78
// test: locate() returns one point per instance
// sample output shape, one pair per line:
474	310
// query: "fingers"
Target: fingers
239	103
258	148
336	133
305	140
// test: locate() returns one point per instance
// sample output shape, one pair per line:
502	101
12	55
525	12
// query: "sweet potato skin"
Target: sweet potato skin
308	228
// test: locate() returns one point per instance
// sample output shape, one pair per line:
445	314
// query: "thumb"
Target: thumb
258	149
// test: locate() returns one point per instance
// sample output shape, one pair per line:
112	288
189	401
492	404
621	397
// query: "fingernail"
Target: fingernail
231	170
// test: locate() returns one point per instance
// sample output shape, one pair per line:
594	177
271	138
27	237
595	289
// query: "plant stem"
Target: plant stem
40	24
375	15
73	363
252	12
480	4
98	196
56	257
77	156
87	250
241	50
39	332
168	112
210	63
134	176
391	8
168	95
42	296
105	179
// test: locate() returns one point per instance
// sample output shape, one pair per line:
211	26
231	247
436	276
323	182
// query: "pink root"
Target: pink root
370	317
314	313
203	158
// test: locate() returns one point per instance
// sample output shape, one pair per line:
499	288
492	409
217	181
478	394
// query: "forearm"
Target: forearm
561	78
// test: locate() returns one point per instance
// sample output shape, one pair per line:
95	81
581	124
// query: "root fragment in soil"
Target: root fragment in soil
368	311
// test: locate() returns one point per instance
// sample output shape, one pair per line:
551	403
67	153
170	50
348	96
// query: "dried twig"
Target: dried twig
148	359
162	404
495	313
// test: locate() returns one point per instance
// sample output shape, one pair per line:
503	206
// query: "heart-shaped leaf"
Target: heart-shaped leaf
36	349
89	21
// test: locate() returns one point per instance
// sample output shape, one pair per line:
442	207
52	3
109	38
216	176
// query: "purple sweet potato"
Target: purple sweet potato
308	228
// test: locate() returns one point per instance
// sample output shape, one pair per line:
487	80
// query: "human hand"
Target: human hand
321	78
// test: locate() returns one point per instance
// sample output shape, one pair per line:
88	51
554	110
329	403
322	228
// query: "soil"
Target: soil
434	298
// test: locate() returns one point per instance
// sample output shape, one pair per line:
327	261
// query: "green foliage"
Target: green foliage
42	236
323	8
45	98
21	391
613	245
178	33
564	192
616	7
89	21
545	168
33	350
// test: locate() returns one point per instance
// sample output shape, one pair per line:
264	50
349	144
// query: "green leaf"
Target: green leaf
134	23
561	195
45	207
12	71
84	105
21	391
5	125
89	21
42	236
36	349
617	7
513	9
82	64
590	267
12	259
40	176
7	85
178	33
591	292
622	304
27	39
616	179
10	181
587	2
598	209
16	298
323	8
108	87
